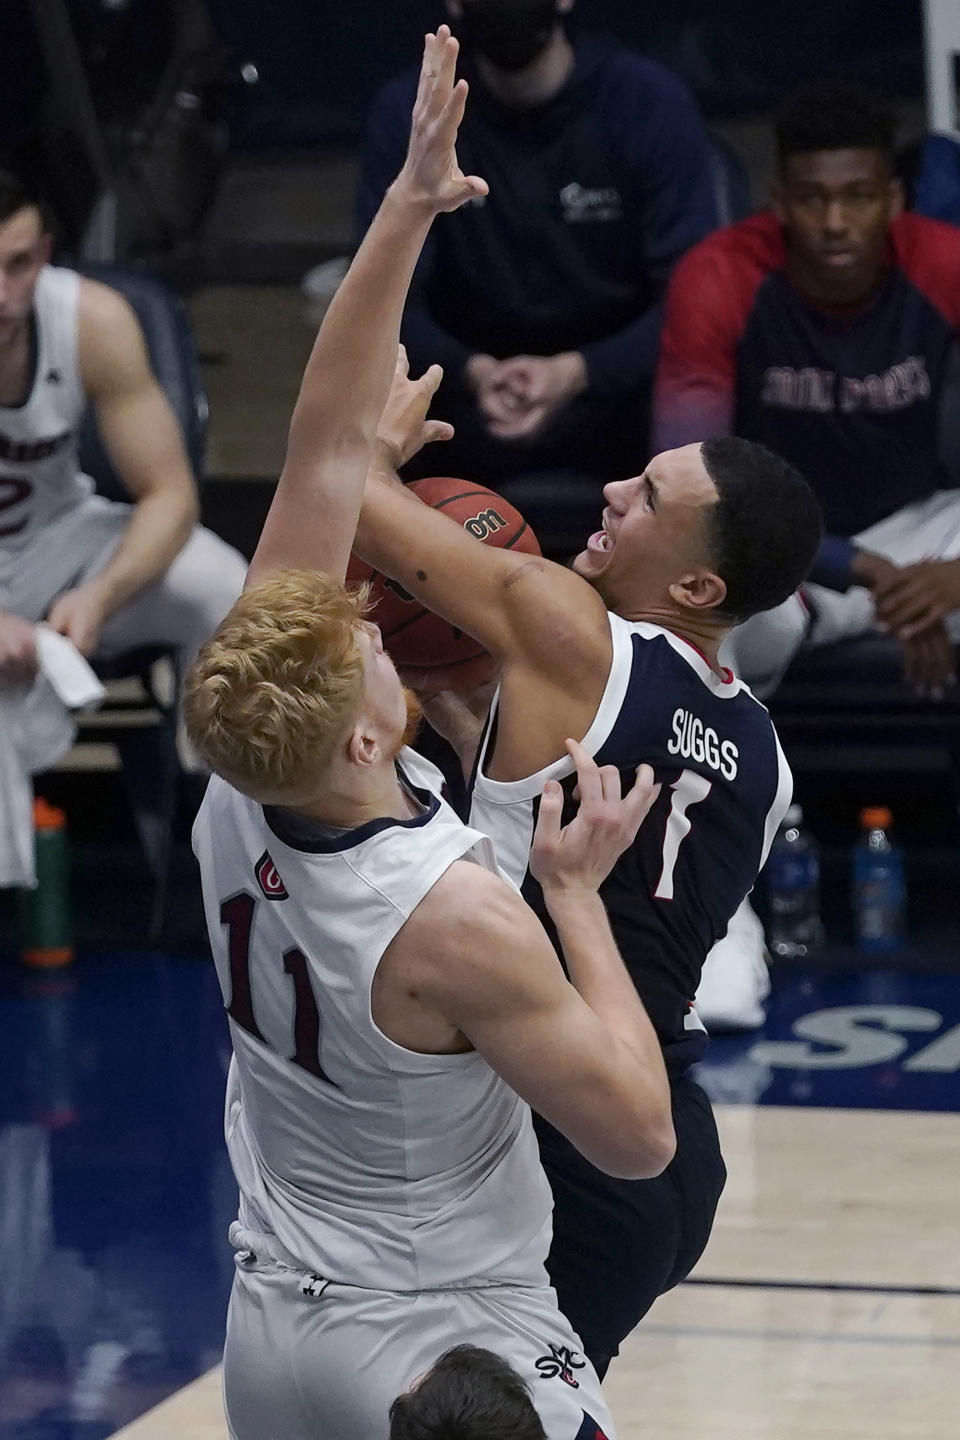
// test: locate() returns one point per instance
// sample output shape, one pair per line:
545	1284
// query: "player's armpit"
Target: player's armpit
478	956
520	607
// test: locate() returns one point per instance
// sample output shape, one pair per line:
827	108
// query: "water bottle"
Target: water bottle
793	890
45	921
879	885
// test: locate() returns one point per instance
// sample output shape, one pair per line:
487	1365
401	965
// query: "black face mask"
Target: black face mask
508	33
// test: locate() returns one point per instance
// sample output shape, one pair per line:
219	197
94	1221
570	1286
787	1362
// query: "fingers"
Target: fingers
596	784
430	379
447	48
589	781
929	663
402	368
923	622
520	423
437	70
642	797
435	432
427	72
546	836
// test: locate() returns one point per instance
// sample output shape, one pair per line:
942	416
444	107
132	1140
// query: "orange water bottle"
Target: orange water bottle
45	918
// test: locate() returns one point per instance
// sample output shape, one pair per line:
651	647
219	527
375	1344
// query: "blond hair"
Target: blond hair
274	691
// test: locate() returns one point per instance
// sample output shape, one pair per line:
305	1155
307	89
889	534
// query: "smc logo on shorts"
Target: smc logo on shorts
562	1362
268	878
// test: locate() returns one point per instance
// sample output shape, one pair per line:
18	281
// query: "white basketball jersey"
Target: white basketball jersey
39	475
360	1160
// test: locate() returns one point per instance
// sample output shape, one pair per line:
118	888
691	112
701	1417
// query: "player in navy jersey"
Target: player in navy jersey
622	651
827	327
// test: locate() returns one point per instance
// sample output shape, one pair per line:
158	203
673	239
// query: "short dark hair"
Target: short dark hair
764	529
14	195
833	113
469	1394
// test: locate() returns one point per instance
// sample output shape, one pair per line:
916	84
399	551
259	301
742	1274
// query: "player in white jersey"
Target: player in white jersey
109	576
390	995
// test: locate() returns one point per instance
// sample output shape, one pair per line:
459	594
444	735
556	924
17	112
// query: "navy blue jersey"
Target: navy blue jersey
863	401
594	195
726	787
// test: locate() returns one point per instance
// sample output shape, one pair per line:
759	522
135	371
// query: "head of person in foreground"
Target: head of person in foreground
294	698
715	531
469	1394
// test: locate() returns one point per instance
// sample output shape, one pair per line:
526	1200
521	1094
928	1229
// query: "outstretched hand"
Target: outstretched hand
580	855
403	428
431	172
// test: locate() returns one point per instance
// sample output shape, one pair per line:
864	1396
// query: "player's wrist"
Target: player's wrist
411	201
573	897
386	459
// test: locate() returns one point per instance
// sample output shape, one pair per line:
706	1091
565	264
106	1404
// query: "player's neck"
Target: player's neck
354	797
704	634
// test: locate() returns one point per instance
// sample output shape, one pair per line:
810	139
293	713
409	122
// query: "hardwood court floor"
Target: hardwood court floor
827	1305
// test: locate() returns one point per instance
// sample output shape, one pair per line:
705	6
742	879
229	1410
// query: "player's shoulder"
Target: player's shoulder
110	339
466	899
101	304
665	665
471	916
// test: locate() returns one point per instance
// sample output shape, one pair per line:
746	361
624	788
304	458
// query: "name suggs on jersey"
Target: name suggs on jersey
692	740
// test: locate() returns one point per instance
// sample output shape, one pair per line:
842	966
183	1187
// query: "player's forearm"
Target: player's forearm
597	971
347	378
159	527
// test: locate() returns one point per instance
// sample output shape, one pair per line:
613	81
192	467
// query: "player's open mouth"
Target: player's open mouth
600	541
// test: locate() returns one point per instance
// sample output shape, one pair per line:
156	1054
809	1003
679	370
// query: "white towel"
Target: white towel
35	730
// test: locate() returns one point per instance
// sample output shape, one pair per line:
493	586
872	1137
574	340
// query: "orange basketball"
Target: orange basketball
440	656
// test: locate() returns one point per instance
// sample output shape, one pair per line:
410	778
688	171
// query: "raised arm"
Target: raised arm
527	611
313	516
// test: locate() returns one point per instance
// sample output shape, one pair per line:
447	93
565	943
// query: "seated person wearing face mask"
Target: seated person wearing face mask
541	303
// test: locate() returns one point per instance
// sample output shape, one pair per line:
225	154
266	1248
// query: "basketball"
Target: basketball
429	652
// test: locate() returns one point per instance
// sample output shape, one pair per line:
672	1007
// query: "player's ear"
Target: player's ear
362	748
699	590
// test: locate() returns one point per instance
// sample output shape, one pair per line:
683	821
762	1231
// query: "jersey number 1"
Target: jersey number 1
237	915
689	790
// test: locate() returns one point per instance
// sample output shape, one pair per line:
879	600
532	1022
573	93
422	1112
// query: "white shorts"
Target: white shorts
305	1360
182	609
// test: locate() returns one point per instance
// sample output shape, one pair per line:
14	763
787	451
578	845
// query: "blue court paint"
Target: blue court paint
879	1039
115	1191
